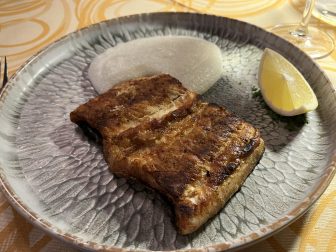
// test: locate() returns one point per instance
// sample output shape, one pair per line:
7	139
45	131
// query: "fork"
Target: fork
5	73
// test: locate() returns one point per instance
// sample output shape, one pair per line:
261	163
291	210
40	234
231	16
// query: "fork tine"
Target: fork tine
0	74
5	77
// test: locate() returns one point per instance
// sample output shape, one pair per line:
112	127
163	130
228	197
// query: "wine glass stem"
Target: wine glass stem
302	29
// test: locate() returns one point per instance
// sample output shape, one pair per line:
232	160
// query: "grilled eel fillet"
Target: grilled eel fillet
194	153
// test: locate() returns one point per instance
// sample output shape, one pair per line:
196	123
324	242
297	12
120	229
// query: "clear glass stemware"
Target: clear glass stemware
315	42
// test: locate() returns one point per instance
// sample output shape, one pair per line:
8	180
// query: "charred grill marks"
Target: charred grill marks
196	154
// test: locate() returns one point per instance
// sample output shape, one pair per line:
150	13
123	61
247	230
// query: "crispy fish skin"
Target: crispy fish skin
197	155
134	102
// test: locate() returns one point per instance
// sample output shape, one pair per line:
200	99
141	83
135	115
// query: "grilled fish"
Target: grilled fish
194	153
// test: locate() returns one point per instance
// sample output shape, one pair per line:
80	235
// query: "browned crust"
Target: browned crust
189	152
131	103
204	149
188	223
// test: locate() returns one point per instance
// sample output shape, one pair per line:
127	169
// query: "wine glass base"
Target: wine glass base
316	43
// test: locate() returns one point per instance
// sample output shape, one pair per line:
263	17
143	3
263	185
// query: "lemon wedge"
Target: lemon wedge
283	87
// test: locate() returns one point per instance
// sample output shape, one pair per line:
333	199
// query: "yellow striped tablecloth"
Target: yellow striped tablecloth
26	26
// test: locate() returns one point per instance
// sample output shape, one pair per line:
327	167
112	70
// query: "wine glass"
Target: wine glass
315	42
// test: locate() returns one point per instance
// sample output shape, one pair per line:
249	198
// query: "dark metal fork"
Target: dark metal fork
5	73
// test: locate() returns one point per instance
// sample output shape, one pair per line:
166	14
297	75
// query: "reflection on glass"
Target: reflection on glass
313	41
325	10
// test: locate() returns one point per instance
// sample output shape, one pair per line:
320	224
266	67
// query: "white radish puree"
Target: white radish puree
196	63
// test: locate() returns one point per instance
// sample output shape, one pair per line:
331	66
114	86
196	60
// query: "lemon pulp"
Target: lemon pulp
283	87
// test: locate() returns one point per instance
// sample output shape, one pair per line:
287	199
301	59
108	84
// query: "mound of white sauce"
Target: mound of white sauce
196	63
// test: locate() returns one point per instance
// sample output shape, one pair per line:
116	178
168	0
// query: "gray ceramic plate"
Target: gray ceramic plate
58	179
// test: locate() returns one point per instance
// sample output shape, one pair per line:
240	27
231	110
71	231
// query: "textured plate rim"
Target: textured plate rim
235	244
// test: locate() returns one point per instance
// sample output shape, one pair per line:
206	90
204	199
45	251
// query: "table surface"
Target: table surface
26	26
